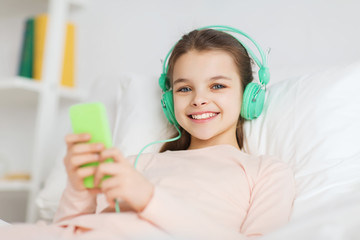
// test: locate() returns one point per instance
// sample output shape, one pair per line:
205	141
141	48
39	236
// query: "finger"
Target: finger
82	148
79	160
83	172
110	183
73	138
94	191
113	194
110	168
106	169
113	153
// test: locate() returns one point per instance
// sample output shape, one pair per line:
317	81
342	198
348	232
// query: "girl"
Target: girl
201	186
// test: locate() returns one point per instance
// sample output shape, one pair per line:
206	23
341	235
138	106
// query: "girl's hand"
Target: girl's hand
78	153
126	182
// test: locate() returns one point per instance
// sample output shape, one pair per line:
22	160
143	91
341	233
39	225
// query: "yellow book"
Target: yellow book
39	44
68	66
68	70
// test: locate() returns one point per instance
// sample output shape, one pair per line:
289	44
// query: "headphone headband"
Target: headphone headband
264	75
234	30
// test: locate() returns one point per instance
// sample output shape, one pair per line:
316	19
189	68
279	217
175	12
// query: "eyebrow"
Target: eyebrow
179	80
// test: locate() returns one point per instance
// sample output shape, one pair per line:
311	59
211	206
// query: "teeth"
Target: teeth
203	116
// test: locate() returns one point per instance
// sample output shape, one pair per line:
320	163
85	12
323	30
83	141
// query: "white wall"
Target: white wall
119	35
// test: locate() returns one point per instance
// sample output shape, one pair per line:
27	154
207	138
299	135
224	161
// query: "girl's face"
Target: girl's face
207	97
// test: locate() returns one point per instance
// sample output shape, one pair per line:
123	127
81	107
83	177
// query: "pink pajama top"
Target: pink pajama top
216	192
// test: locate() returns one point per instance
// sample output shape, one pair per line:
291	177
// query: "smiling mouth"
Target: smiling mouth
203	116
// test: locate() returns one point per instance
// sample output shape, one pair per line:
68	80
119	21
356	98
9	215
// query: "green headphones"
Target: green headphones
254	94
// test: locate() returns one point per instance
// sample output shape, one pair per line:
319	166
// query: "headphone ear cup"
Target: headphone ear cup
253	101
167	103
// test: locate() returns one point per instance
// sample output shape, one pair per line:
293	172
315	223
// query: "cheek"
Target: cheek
232	107
178	107
231	101
239	99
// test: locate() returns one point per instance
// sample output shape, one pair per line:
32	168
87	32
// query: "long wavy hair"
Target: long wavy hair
204	40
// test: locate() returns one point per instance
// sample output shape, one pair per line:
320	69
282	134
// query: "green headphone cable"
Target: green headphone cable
117	208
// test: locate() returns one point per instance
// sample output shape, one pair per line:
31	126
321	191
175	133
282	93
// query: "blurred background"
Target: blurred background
116	36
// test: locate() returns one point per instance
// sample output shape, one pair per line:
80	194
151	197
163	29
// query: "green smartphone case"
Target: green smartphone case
91	118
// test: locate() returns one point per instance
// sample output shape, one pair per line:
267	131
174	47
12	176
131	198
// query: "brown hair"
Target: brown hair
204	40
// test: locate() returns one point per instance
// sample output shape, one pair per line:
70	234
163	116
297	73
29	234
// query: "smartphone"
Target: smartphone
91	118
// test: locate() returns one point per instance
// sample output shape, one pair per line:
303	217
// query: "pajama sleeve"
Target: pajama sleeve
271	200
74	203
181	220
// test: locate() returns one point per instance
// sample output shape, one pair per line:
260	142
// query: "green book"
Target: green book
27	51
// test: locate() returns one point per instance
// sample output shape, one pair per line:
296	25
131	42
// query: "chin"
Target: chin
203	135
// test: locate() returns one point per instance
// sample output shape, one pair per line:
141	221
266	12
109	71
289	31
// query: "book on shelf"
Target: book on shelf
26	60
68	72
39	45
32	54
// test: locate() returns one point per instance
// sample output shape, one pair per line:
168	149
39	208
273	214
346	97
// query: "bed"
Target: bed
311	122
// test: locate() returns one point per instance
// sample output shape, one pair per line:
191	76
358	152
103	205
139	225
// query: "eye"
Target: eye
217	86
184	89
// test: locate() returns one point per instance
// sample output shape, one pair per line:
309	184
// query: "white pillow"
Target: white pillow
3	223
313	123
142	119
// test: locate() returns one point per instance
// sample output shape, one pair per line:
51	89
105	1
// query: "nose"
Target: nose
199	100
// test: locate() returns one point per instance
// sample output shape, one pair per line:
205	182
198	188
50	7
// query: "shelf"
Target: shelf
14	185
23	83
71	94
30	109
18	91
26	90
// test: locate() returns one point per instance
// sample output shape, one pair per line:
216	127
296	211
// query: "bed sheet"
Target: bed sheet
3	223
129	227
337	220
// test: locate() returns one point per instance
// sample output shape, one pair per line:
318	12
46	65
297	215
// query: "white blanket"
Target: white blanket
336	220
3	223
